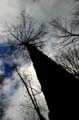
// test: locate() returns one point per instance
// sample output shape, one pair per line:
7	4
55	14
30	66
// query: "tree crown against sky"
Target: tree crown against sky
69	59
66	30
27	31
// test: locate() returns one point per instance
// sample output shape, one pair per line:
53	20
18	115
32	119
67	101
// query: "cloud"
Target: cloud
53	8
13	111
48	8
41	9
20	97
9	10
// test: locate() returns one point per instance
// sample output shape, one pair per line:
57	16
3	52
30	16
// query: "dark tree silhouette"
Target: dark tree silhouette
67	33
55	80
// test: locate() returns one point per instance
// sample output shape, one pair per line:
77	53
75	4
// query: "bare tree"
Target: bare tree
28	31
69	59
67	33
23	38
31	95
66	30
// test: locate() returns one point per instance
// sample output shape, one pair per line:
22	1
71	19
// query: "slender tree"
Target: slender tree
31	95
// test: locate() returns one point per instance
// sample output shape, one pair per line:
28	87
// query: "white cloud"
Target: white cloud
56	7
13	112
9	10
15	109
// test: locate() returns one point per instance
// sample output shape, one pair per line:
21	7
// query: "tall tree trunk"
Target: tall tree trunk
56	85
33	99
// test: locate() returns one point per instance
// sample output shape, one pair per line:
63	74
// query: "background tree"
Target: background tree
66	32
66	29
31	94
69	59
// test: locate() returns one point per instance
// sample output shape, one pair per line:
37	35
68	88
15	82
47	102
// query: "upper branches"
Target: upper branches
69	59
27	31
64	31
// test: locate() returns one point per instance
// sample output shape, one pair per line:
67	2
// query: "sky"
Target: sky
9	11
41	9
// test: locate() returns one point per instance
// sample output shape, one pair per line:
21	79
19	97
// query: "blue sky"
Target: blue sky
5	67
